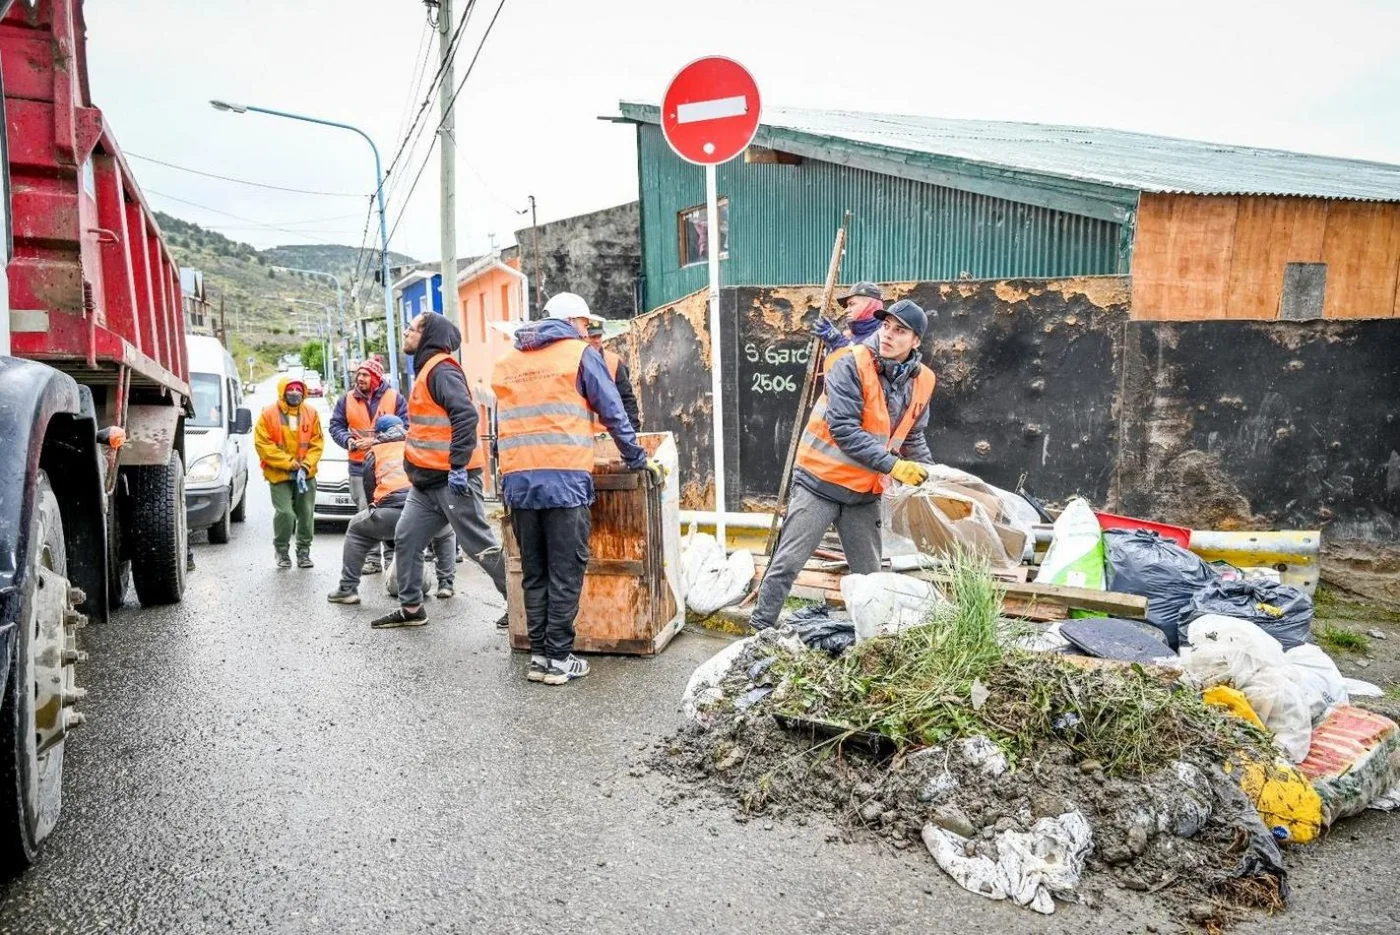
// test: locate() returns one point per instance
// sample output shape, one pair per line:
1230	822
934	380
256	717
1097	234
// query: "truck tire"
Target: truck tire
36	716
219	532
158	532
118	568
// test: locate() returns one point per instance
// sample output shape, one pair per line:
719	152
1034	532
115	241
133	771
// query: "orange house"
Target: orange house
490	290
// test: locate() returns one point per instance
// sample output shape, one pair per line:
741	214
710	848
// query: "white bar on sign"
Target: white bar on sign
712	110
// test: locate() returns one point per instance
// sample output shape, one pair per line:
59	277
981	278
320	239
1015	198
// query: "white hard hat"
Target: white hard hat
567	305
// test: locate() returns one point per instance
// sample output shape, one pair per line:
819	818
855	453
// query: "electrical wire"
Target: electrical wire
228	178
239	217
424	49
433	85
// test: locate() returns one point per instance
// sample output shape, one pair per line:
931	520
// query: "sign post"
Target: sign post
710	115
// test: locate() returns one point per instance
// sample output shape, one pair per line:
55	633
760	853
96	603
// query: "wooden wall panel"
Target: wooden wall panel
1271	233
1181	257
1362	253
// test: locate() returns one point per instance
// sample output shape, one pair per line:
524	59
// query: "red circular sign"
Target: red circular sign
710	111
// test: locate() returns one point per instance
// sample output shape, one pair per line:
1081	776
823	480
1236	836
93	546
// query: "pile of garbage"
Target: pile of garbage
1177	755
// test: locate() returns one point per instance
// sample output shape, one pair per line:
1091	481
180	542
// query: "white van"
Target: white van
217	441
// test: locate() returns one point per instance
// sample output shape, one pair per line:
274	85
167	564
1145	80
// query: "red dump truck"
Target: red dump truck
94	391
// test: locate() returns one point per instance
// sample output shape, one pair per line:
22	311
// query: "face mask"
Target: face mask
293	398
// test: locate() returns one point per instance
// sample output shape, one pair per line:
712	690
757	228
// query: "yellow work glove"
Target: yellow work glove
657	471
909	472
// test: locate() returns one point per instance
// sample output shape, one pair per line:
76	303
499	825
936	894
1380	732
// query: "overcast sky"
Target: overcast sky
1318	77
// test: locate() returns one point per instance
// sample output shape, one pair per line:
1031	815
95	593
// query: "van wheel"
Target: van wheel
218	533
159	535
36	713
240	512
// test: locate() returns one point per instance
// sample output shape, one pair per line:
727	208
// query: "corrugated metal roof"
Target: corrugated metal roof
1116	158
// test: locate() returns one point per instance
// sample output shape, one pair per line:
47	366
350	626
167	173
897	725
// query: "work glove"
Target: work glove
909	472
829	334
301	480
457	481
656	471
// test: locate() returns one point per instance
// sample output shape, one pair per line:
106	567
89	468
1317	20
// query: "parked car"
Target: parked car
313	384
216	441
333	501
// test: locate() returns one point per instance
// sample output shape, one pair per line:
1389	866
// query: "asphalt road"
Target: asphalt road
257	760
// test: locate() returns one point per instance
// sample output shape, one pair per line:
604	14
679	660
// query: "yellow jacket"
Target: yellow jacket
278	447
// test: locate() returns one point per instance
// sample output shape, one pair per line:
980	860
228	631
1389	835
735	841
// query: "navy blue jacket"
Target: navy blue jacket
340	425
548	488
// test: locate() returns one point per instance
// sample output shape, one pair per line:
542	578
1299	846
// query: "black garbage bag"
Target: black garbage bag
816	629
1280	610
1143	563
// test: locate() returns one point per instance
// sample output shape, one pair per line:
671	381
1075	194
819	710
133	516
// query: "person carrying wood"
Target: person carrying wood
861	304
867	426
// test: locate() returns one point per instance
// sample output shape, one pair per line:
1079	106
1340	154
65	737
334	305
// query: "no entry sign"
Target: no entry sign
710	111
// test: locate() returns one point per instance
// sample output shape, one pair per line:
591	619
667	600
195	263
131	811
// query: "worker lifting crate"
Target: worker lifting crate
631	601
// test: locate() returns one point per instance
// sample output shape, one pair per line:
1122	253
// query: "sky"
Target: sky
1312	77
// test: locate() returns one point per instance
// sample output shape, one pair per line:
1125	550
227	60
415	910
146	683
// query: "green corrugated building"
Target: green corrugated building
936	199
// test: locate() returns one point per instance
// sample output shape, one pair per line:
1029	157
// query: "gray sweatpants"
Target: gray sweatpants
374	525
357	493
424	515
808	518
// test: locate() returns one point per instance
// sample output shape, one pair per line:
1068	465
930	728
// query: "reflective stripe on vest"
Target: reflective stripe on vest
542	422
359	420
389	476
274	419
819	455
613	361
429	427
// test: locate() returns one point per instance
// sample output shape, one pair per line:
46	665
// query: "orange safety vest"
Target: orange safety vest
308	422
389	476
429	427
358	418
819	455
613	361
542	421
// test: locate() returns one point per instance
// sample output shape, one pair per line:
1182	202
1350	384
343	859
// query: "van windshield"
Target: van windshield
208	400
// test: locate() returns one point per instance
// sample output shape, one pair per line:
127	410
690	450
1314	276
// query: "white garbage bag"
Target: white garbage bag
1225	650
887	603
713	579
1320	676
1075	557
1032	867
703	689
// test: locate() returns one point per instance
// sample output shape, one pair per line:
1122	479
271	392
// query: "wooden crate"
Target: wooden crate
627	605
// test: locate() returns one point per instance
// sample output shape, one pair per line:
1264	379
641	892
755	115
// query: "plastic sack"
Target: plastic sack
1075	558
1015	511
1286	801
1143	563
1032	867
1280	610
815	627
1320	676
1228	651
939	517
1354	761
703	690
713	579
887	603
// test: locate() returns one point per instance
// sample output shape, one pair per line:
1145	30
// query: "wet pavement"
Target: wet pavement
257	760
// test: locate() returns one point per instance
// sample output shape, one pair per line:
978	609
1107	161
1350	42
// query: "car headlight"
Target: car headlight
205	470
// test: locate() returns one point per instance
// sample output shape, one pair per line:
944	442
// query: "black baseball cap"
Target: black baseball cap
908	313
867	289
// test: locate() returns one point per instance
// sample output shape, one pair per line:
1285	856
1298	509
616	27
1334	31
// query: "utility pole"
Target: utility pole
448	156
223	323
538	271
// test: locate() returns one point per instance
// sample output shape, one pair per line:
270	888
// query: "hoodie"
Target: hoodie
552	489
447	385
277	459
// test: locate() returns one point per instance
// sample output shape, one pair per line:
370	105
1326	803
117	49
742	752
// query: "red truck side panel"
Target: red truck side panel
88	252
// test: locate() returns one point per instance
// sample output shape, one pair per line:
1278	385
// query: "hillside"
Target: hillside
269	309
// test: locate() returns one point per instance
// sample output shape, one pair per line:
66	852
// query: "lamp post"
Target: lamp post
339	301
331	340
390	340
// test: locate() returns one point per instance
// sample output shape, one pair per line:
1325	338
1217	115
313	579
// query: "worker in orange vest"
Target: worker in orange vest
443	460
867	426
861	304
386	488
617	368
549	387
289	443
352	428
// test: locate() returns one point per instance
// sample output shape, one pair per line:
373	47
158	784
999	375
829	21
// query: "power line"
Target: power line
226	178
433	85
238	217
425	49
461	84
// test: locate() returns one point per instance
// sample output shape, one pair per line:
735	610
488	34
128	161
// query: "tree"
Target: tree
313	356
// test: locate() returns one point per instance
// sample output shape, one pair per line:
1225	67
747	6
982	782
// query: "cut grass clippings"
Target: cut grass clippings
915	688
1340	639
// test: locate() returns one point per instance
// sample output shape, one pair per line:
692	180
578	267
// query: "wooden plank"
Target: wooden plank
1110	602
1270	233
1361	248
1182	255
617	481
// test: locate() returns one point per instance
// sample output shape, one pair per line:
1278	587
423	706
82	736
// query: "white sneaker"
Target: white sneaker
563	671
539	667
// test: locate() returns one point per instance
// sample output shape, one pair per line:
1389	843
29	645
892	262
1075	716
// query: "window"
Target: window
208	393
694	238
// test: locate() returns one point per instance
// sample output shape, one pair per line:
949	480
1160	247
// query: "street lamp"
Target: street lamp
339	301
391	344
331	340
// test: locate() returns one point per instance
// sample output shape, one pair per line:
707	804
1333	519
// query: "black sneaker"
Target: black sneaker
400	618
563	671
539	667
304	560
344	596
503	622
284	560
